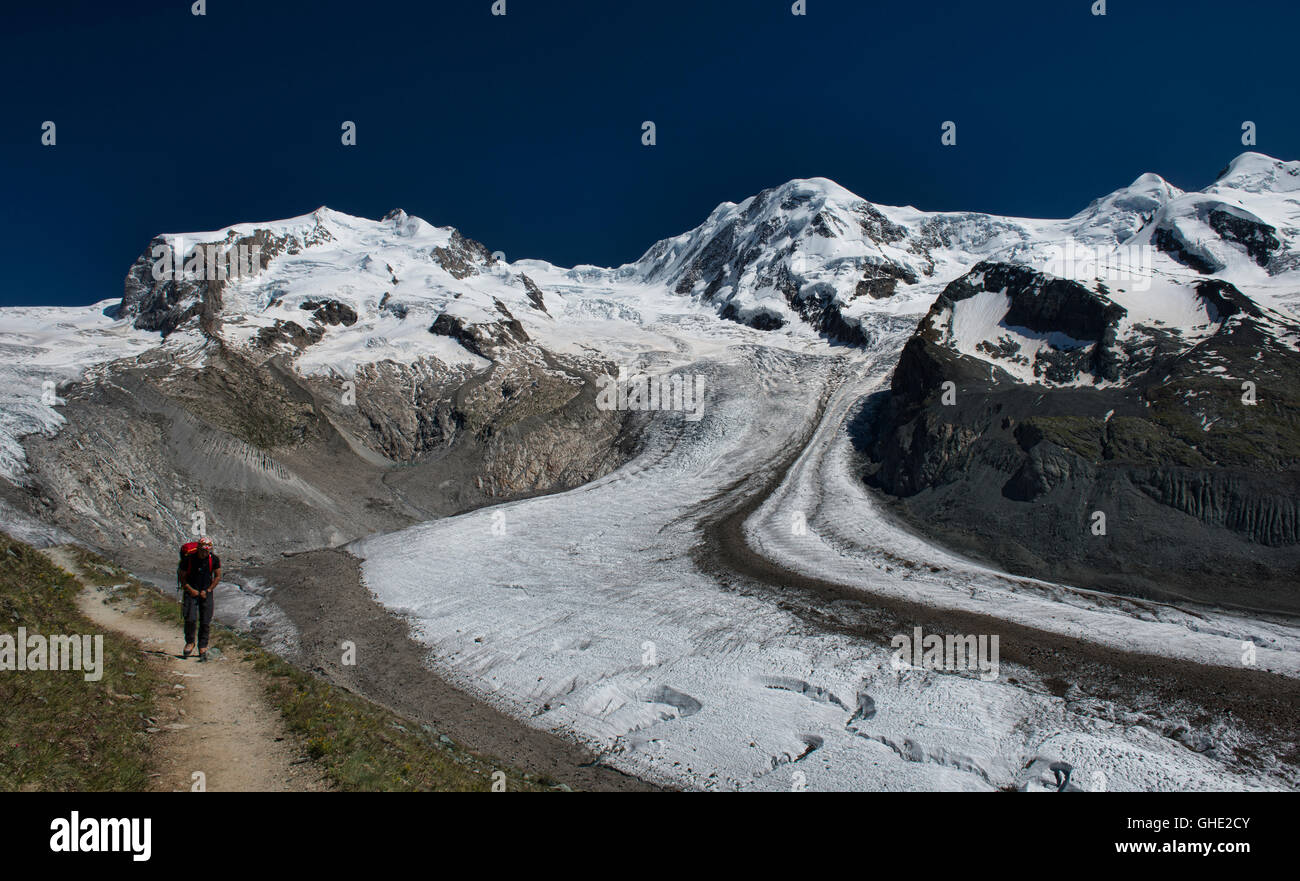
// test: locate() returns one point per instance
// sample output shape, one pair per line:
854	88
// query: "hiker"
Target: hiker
199	573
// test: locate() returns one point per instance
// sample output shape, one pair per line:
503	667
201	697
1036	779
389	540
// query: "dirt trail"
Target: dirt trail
219	723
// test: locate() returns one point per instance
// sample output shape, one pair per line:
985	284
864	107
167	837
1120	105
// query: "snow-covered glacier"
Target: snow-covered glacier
590	612
718	611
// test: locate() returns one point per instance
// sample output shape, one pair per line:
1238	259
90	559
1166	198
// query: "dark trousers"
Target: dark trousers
198	613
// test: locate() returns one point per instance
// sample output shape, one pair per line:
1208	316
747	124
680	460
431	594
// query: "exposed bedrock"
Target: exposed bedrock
278	462
1016	476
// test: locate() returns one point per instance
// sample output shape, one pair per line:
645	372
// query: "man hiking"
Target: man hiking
199	574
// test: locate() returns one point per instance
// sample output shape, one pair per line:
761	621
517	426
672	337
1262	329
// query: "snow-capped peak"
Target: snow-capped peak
1148	192
808	252
1257	173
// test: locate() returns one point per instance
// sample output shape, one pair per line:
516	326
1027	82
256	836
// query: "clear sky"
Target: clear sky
524	130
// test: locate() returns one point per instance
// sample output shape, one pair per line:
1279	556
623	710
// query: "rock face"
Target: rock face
1257	238
278	462
483	338
1197	488
1231	225
174	281
330	312
1042	305
461	256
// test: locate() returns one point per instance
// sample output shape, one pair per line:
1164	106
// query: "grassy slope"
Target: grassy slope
59	732
69	734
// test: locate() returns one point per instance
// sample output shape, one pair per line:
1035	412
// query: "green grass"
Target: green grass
58	732
1261	437
1173	430
359	745
364	747
1129	440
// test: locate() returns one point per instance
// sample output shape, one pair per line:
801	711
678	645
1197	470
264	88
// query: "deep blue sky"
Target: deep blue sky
524	131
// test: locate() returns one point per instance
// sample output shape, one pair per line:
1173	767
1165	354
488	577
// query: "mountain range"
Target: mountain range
1137	360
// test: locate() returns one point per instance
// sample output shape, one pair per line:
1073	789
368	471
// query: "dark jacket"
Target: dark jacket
197	571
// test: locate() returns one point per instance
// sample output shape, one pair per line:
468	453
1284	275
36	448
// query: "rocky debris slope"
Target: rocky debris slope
276	463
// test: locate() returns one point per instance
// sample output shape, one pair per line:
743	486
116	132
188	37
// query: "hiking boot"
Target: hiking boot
203	654
187	651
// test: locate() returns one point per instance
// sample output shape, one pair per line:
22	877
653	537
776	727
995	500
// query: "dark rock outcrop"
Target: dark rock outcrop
535	295
330	312
1170	242
483	338
1200	490
1258	239
462	257
880	281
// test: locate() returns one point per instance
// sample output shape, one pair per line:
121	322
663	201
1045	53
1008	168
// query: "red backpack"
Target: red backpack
188	550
